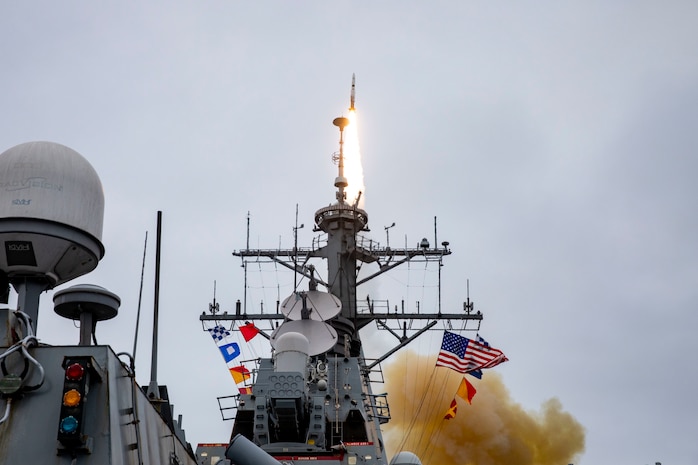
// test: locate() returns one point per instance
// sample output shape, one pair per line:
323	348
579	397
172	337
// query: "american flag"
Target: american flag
465	355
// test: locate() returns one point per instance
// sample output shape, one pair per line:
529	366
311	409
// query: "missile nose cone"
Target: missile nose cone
353	92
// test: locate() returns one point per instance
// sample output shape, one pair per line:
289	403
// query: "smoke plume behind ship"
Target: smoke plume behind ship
493	430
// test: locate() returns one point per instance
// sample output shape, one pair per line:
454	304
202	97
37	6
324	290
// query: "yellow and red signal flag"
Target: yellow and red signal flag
466	391
451	412
240	374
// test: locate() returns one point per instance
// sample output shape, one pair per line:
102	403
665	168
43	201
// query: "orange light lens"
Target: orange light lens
71	398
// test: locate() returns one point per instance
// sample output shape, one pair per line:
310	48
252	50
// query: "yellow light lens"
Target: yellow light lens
71	398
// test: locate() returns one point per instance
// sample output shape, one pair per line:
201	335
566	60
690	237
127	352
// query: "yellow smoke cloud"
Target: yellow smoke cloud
494	430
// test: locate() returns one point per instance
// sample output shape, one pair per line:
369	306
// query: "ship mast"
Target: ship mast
344	249
313	398
342	223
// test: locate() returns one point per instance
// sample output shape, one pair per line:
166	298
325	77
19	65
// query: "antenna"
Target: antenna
295	251
358	198
311	305
440	265
435	240
214	307
467	305
140	297
153	389
340	181
89	304
387	234
248	231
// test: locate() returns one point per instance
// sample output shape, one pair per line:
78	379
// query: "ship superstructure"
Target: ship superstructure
78	404
313	398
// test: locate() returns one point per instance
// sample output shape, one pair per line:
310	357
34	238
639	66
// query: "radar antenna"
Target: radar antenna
340	181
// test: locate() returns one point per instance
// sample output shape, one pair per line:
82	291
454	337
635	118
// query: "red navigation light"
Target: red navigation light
74	372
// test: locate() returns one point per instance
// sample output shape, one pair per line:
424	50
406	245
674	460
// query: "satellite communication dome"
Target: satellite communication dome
51	213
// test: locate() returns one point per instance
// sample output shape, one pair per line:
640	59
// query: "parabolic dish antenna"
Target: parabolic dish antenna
321	336
321	305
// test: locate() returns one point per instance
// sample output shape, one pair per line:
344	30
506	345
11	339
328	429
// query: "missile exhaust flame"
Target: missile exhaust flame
353	169
494	430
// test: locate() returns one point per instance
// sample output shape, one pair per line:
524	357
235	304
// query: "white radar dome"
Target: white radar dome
405	458
291	352
51	213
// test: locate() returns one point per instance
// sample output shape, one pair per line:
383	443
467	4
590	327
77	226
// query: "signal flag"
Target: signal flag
249	331
466	391
218	333
451	412
240	374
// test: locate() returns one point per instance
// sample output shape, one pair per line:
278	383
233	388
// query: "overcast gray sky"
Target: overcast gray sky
555	142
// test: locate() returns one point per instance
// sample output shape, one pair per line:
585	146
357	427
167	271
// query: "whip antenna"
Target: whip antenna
140	297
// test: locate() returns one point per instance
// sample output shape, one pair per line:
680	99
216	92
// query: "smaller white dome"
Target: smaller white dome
291	353
405	458
292	342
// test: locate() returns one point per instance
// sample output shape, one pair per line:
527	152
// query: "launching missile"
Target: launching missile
353	92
